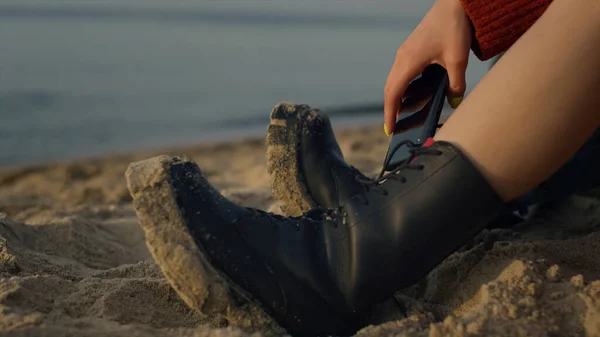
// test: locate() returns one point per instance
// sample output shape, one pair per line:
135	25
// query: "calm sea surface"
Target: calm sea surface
86	78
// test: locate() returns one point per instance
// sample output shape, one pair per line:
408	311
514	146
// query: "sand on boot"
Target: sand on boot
73	258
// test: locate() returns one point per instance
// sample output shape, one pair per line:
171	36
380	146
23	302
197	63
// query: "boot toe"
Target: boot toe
172	247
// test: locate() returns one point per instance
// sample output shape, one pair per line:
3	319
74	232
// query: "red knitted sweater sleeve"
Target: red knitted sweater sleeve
499	23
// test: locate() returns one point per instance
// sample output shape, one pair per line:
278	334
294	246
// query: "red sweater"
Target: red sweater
499	23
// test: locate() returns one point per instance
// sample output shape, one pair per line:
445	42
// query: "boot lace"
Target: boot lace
415	150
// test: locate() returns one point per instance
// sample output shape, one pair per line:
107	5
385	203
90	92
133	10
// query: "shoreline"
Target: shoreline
340	124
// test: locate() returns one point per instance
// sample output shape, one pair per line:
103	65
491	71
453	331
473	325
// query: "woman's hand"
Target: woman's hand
444	37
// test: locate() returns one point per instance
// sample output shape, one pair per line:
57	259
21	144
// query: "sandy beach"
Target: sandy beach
73	261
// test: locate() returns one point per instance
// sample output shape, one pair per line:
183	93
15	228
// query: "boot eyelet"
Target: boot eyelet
421	167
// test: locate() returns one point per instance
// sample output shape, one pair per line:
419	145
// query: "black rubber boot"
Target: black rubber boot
320	274
215	253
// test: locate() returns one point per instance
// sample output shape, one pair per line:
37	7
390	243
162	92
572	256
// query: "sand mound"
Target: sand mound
74	274
73	260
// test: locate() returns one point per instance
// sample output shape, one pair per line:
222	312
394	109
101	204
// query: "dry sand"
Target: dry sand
73	261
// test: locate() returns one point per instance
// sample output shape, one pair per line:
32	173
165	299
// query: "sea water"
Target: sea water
87	78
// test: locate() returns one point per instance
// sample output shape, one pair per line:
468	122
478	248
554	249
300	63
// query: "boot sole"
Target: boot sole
284	159
182	261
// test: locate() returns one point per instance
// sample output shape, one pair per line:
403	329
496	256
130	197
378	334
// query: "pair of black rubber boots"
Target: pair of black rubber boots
356	242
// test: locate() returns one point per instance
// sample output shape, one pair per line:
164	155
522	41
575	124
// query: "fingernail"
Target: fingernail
385	129
455	102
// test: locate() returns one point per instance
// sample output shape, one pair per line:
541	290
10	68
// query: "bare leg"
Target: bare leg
538	105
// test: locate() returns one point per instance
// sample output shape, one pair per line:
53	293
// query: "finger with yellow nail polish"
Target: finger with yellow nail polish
385	129
455	102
